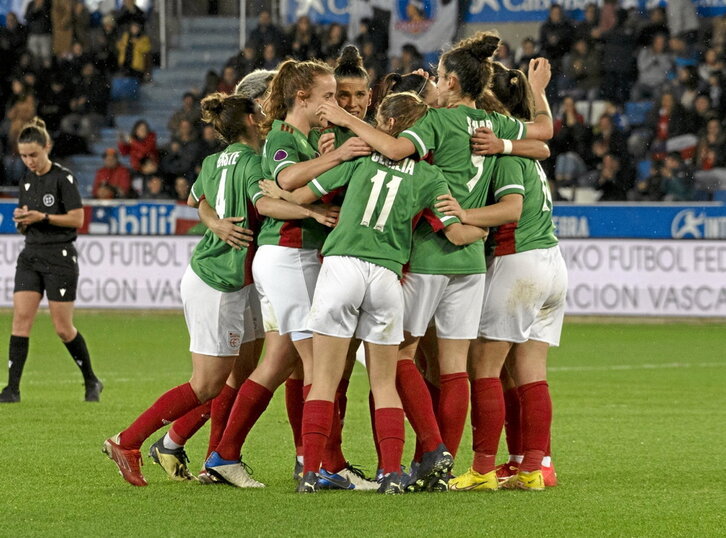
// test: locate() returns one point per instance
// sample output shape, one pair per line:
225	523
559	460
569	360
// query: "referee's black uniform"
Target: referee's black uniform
49	262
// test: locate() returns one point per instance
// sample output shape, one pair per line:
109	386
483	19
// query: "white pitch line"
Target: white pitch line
616	367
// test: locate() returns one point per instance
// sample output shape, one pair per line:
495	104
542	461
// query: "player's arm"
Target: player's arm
507	209
283	210
228	229
485	142
393	148
299	174
539	75
462	234
23	217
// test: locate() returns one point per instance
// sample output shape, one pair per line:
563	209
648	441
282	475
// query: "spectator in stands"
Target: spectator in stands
189	111
411	59
61	16
155	189
81	24
211	81
608	139
270	57
648	189
113	180
617	65
40	29
581	72
266	33
333	40
129	13
504	55
304	42
711	64
568	144
190	146
716	93
228	81
141	143
147	168
677	181
245	61
656	24
555	37
72	63
710	172
103	45
209	142
687	86
55	104
178	162
88	105
527	50
718	34
665	121
655	64
134	52
683	20
181	189
13	36
613	179
21	108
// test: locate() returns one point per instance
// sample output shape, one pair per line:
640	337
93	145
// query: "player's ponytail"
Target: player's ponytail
227	114
395	83
292	76
510	86
405	108
350	64
470	60
34	131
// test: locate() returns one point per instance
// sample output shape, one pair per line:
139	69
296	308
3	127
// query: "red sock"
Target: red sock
252	400
372	410
294	403
417	405
221	409
512	422
536	421
333	459
391	433
170	406
487	421
435	394
317	417
185	427
343	399
453	405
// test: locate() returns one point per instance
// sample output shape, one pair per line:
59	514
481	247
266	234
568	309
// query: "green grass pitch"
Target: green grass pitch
638	441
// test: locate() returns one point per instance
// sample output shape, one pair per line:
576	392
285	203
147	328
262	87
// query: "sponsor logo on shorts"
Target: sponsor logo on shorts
48	200
280	154
235	340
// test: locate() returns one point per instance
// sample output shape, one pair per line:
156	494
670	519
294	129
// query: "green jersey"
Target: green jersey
446	132
228	180
381	200
341	135
535	229
286	146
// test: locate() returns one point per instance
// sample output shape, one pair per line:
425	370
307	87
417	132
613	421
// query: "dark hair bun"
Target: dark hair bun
350	56
213	104
484	45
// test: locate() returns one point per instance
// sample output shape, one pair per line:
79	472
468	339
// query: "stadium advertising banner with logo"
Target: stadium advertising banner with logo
491	11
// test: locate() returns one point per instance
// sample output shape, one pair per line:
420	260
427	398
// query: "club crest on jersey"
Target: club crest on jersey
48	200
280	154
235	340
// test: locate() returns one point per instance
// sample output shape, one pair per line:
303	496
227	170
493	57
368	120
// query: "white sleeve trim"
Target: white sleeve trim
319	186
277	168
421	145
447	218
257	196
507	187
194	194
521	130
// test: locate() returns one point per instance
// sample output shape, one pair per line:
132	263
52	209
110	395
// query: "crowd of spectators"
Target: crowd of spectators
60	65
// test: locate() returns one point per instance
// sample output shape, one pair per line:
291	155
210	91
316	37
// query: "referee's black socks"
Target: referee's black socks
78	350
17	355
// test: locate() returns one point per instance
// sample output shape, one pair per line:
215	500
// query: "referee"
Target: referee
49	212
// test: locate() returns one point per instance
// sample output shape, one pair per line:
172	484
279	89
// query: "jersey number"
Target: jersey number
547	204
220	204
392	187
478	162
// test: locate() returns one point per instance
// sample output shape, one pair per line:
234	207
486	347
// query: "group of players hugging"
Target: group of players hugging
325	231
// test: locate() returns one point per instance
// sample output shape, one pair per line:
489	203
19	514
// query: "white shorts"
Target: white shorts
254	327
356	297
285	280
525	297
218	321
452	301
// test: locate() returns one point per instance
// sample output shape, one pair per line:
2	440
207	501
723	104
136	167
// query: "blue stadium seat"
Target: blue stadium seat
643	169
719	196
124	89
637	112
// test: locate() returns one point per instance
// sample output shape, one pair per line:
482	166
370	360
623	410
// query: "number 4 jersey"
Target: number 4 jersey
382	198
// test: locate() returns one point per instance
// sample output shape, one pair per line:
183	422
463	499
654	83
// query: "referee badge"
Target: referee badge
48	200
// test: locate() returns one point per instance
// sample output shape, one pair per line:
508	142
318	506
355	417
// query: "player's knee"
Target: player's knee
66	334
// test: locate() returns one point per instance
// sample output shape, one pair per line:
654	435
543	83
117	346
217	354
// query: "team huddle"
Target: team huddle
438	253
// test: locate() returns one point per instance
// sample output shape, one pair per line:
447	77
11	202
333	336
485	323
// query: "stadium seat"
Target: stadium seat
637	112
683	144
591	110
719	196
643	169
124	89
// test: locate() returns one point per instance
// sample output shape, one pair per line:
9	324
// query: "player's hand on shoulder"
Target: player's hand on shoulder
449	206
326	143
485	142
271	189
354	147
231	232
325	214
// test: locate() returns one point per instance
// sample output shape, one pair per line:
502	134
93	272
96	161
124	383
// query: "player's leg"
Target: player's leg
25	307
294	402
512	423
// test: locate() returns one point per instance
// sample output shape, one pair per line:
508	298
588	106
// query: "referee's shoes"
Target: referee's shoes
8	395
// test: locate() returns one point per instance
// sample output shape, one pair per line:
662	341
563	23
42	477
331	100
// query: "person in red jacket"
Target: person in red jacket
113	180
141	143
